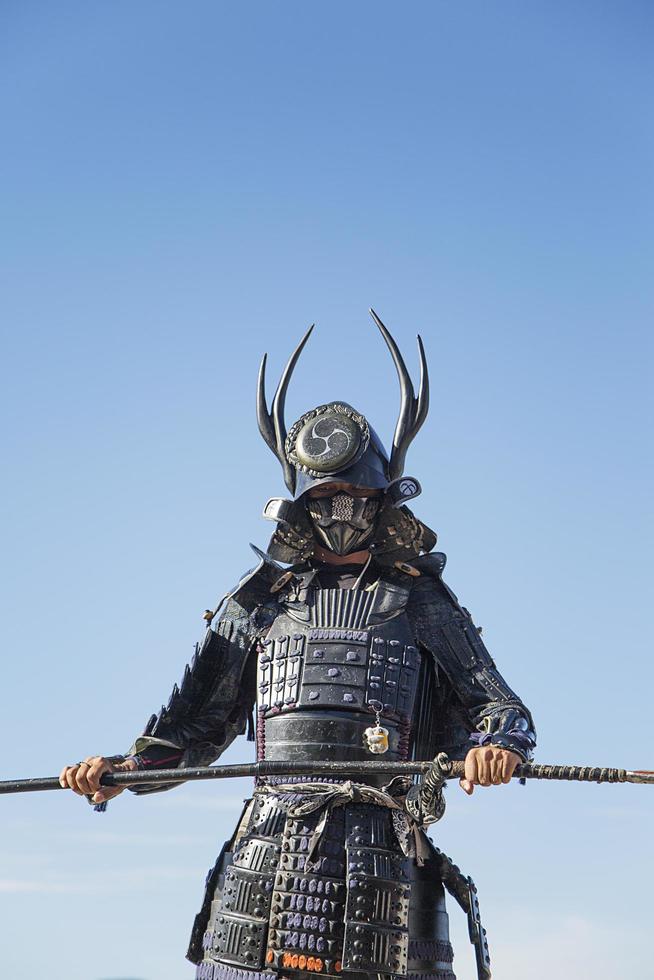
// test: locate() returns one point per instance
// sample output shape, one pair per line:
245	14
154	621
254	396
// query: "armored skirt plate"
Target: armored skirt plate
327	892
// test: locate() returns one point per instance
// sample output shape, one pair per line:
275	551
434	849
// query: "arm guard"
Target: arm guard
210	707
214	701
446	629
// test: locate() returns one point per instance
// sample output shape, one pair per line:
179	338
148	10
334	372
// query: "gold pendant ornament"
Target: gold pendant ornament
375	738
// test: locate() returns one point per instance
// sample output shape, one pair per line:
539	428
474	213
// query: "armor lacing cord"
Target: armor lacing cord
326	796
261	736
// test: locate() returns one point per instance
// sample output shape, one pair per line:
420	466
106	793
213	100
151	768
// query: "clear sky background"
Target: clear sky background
186	185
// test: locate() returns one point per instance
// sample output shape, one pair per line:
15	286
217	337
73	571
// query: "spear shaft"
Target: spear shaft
269	767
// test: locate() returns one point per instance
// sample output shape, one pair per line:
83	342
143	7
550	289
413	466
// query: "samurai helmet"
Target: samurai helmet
334	442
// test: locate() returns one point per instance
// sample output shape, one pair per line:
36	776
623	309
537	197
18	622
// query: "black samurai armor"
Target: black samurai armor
327	661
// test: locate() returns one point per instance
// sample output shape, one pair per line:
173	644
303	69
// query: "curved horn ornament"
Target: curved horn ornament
271	423
413	411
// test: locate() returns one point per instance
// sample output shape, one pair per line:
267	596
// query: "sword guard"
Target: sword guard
425	801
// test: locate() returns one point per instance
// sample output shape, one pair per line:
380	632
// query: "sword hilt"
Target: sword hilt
578	774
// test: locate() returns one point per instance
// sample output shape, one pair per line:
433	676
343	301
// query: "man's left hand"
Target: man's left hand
488	765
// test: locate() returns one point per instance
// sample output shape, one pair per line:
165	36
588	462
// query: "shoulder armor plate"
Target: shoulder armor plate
253	588
431	564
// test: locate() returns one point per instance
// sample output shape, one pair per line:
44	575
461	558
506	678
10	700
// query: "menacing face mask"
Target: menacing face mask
343	522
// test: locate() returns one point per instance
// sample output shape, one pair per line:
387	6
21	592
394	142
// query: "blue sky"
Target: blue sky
184	186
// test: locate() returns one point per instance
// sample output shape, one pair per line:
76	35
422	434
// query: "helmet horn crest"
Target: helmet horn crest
413	411
271	424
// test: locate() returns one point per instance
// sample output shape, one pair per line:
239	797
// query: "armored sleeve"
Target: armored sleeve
211	706
496	714
214	701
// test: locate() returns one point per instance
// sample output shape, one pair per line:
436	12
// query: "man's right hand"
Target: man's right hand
84	778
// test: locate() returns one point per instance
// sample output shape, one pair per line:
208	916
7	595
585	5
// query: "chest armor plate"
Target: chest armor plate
325	667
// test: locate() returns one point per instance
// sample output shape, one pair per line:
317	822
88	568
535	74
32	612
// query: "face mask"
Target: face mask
342	522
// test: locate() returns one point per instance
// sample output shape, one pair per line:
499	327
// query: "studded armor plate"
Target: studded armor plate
309	670
318	686
346	905
377	908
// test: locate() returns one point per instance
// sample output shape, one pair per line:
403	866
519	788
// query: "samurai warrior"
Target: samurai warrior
343	644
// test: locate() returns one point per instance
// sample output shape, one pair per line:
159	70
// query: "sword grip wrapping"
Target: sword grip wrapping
580	774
